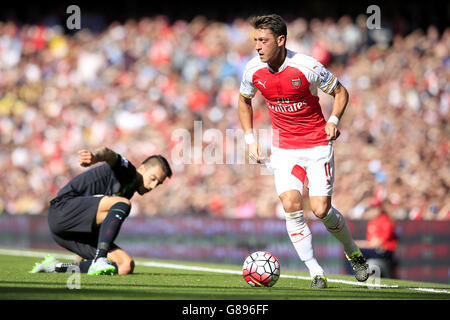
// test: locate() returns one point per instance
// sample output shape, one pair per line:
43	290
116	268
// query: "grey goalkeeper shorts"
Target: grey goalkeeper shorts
72	224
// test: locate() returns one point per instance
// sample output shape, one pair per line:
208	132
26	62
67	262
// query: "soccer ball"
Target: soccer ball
261	269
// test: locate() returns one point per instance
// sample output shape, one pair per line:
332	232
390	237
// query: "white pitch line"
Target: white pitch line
25	253
364	284
38	254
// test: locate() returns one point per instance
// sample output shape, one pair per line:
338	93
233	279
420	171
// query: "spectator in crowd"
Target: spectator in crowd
140	81
381	240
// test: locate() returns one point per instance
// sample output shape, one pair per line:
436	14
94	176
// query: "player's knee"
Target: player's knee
291	205
123	200
320	209
126	266
122	206
291	202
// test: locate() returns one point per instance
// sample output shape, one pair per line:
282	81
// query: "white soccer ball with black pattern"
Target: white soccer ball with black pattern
261	269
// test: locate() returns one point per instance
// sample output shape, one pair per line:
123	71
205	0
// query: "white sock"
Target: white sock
301	238
336	225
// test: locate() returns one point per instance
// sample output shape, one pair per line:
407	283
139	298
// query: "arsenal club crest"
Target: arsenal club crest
296	82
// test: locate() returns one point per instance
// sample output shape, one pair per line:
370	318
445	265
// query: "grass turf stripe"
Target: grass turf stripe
27	253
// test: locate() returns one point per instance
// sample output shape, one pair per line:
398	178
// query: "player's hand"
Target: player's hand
86	158
332	131
254	152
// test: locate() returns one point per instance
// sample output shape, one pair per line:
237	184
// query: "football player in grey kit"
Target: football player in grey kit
86	216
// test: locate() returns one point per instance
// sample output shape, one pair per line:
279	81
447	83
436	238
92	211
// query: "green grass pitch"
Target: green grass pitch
184	283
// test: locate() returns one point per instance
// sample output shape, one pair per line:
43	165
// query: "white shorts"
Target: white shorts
295	167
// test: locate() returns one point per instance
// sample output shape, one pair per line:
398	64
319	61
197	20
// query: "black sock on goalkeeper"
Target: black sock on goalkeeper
110	227
69	267
82	266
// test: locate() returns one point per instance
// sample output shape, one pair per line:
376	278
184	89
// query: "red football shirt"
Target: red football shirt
291	97
382	228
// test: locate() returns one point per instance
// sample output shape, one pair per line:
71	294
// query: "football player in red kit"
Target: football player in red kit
302	141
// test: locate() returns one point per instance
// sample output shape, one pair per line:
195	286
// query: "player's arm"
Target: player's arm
87	158
246	117
340	95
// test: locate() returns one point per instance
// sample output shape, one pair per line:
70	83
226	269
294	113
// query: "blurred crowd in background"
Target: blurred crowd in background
131	85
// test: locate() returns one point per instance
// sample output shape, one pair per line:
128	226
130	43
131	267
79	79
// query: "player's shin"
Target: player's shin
301	238
110	227
335	223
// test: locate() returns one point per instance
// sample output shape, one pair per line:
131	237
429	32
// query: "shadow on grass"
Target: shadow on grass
167	293
88	293
129	286
171	292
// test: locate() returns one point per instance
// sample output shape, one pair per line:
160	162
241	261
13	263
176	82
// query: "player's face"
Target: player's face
267	45
152	177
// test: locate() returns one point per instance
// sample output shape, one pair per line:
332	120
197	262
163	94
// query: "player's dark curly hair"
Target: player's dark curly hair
161	161
272	22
